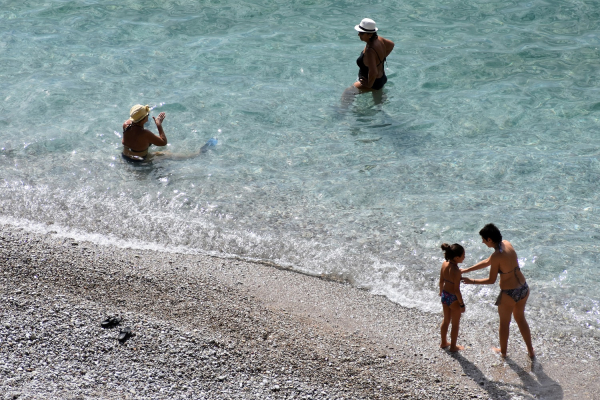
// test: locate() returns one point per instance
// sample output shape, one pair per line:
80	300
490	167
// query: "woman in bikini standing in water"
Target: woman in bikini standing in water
514	290
452	300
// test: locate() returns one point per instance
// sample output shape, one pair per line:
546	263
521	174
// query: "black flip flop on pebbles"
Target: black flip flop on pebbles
125	334
110	322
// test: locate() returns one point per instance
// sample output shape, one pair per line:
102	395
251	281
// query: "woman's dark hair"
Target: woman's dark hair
491	232
451	251
374	36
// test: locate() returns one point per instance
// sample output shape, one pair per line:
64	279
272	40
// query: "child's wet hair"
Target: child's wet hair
451	251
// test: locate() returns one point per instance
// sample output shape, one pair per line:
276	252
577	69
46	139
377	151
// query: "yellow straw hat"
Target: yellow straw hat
139	112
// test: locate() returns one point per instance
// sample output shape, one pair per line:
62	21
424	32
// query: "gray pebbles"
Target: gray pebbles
210	328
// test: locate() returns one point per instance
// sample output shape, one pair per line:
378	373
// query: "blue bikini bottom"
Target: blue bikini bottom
448	298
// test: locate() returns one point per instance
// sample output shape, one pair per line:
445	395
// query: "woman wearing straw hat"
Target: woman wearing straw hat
371	74
136	139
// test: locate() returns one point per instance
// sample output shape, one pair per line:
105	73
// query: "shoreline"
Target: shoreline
209	327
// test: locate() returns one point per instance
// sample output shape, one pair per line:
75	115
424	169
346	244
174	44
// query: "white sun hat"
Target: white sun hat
367	25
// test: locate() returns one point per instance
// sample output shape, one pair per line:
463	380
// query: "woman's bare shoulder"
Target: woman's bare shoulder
506	245
386	42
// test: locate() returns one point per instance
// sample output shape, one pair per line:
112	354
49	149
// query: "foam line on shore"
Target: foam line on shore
304	336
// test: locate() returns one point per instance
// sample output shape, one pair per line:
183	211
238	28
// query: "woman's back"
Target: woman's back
508	267
380	49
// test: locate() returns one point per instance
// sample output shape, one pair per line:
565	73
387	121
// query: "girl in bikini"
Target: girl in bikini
514	290
452	300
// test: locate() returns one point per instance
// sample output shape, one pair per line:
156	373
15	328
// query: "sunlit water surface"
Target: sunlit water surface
490	114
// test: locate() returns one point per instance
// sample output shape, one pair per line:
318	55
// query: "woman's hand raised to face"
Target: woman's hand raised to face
158	121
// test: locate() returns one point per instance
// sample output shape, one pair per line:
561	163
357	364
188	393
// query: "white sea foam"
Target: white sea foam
475	125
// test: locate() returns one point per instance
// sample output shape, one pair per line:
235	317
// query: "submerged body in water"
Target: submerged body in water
211	144
136	137
137	140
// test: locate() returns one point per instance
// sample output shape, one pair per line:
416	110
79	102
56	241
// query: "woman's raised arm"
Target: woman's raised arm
480	265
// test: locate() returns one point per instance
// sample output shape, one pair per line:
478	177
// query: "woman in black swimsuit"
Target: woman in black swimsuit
371	74
514	290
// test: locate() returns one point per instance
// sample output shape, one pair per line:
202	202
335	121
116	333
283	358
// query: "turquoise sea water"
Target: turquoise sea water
490	114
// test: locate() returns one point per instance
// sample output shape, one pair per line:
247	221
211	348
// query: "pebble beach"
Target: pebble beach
221	328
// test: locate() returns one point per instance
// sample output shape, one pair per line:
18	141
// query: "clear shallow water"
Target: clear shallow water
490	114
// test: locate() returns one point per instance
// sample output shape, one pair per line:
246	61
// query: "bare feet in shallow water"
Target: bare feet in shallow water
455	349
499	351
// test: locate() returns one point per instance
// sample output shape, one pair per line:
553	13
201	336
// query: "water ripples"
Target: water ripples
489	115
